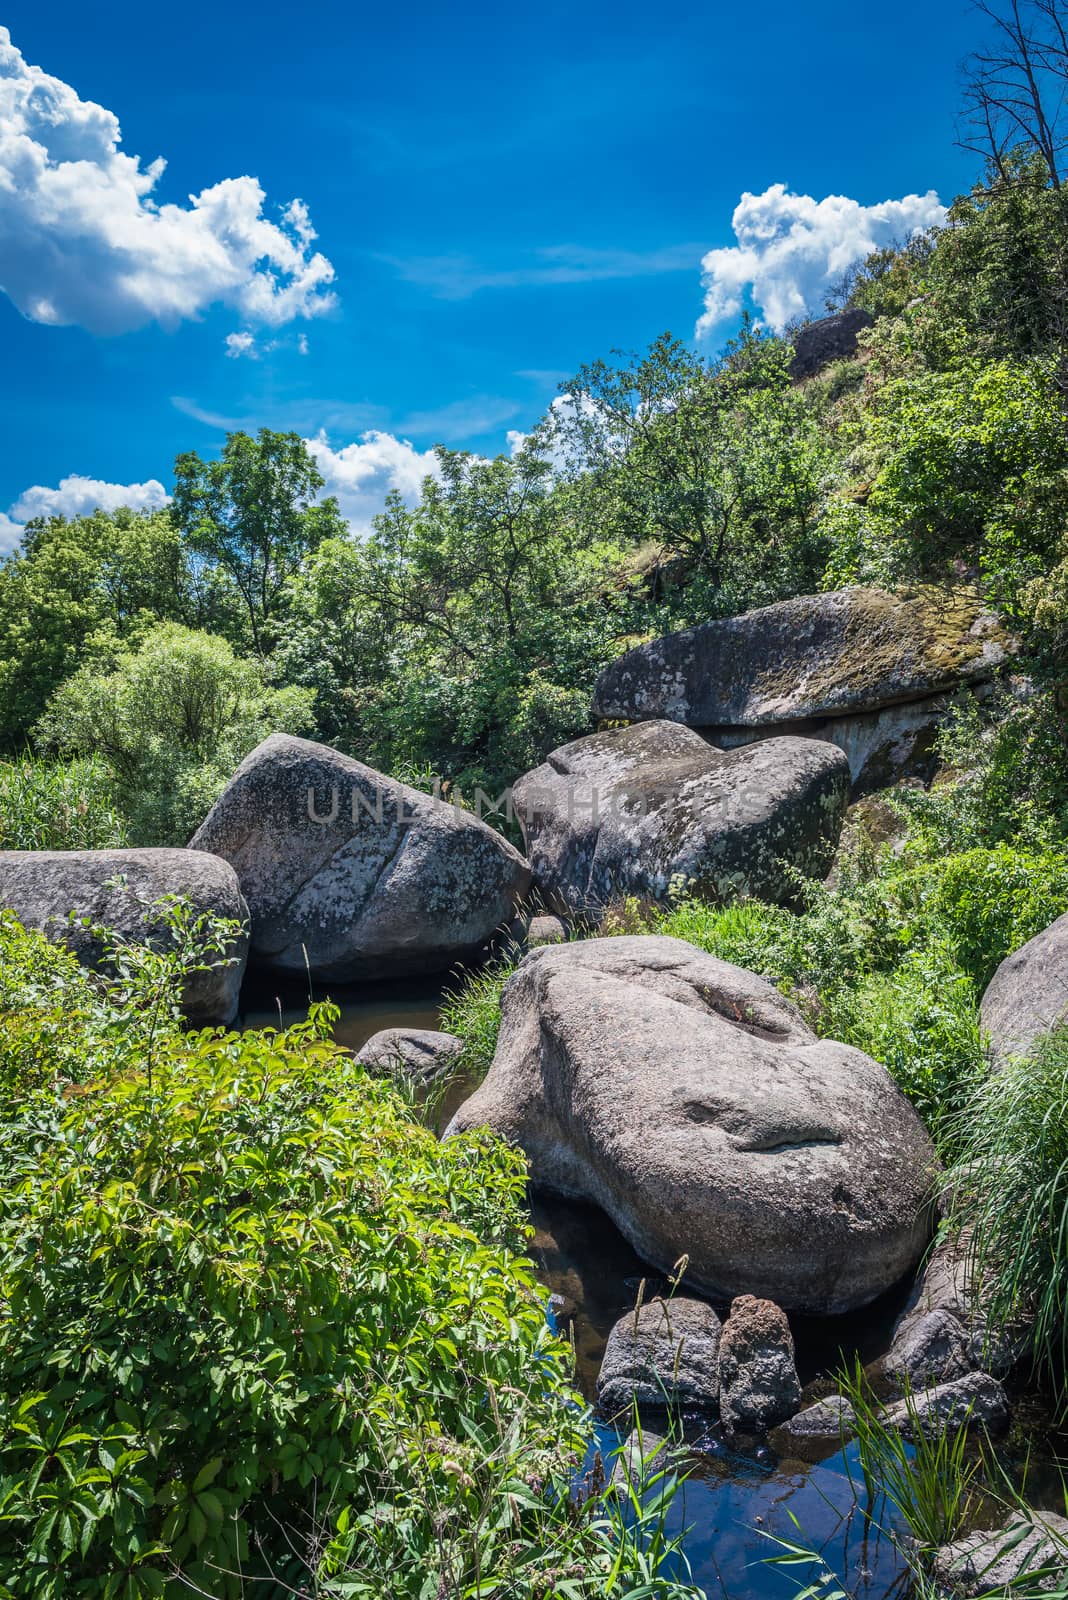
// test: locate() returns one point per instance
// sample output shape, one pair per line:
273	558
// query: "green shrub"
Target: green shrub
1012	1192
171	722
256	1322
58	805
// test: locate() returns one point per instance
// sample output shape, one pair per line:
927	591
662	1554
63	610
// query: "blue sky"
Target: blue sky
498	194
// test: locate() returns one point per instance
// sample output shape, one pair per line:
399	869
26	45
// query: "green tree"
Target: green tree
78	588
465	632
255	514
171	720
721	462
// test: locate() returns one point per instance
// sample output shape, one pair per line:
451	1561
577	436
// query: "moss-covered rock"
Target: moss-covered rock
818	656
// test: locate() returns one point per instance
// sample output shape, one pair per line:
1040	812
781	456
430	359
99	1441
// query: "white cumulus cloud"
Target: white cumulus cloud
240	344
792	248
76	496
83	240
362	473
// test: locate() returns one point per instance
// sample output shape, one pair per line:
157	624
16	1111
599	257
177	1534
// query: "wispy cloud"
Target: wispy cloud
456	277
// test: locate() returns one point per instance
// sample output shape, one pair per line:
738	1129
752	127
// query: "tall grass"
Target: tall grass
1012	1193
473	1013
58	805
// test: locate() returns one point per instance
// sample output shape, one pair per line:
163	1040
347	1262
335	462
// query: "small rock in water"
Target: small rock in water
759	1386
663	1354
421	1054
830	1418
975	1400
929	1348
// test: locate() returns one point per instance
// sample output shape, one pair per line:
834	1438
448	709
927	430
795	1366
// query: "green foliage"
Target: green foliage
75	589
254	515
473	1014
171	722
258	1324
1011	1192
465	633
58	805
721	463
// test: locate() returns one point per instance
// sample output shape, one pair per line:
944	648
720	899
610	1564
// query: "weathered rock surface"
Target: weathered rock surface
664	1355
631	811
832	1418
546	930
758	1382
421	1054
690	1101
42	888
1028	994
977	1400
943	1320
828	339
931	1348
863	668
353	874
1032	1546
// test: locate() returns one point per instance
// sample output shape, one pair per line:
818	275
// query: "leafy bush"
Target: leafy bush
58	805
171	721
256	1322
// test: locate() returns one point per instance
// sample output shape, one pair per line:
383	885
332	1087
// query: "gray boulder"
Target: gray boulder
931	1348
1028	994
121	890
758	1382
422	1055
689	1100
942	1332
545	930
632	811
827	339
865	669
663	1355
1029	1545
353	874
976	1400
830	1419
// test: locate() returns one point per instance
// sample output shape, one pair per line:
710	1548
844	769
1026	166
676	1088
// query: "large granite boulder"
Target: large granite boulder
689	1100
1028	995
663	1354
355	875
122	890
758	1382
634	811
870	671
827	339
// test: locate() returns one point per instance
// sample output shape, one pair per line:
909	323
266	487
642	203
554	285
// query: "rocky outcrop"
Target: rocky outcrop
974	1401
827	339
634	811
352	874
758	1382
665	1354
1028	995
867	670
422	1055
122	890
689	1100
1031	1546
